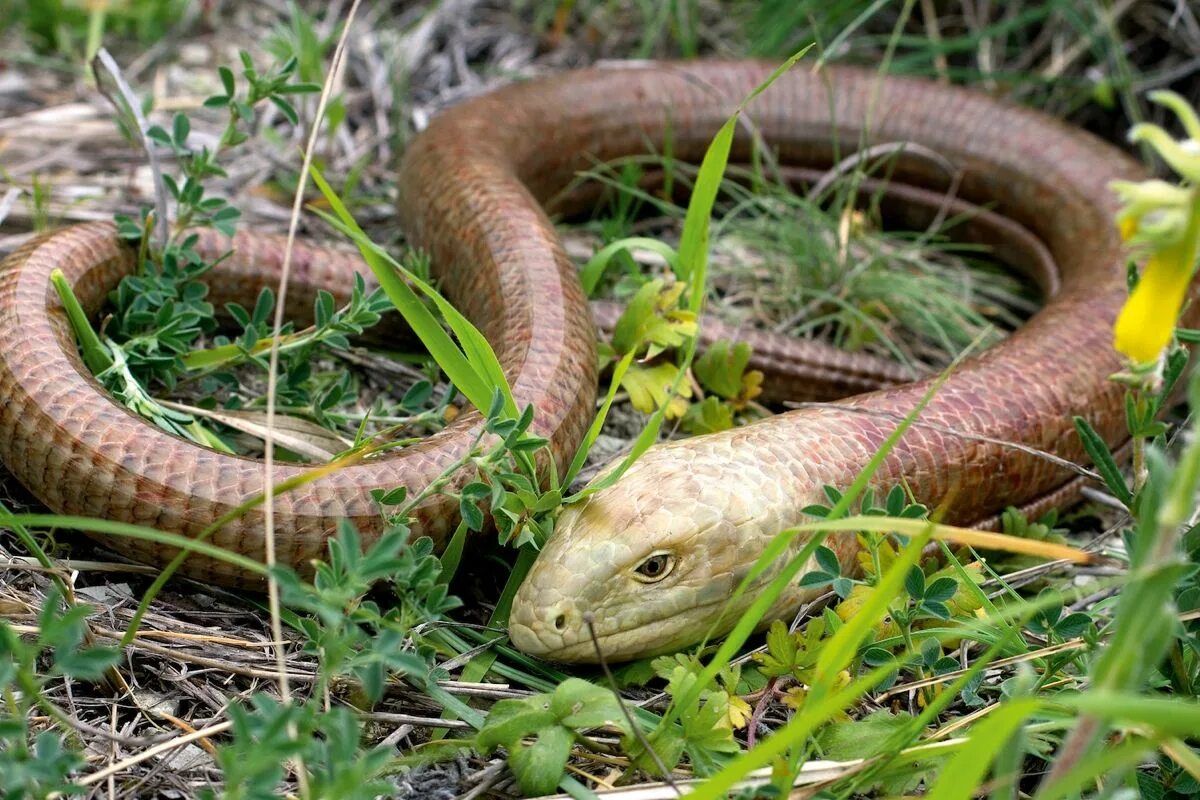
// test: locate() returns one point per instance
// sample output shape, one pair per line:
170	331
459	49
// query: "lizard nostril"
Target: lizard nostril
560	622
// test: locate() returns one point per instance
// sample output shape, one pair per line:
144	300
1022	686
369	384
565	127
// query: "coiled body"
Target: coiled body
474	189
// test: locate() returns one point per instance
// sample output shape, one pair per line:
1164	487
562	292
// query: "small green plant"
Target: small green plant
794	655
40	763
159	315
707	718
300	40
354	637
354	640
268	735
539	731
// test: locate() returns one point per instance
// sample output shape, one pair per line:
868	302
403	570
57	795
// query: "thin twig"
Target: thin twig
934	33
636	729
272	381
1083	472
760	708
273	369
151	752
885	149
409	719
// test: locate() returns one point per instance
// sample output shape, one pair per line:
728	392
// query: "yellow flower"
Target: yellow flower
1163	221
1147	320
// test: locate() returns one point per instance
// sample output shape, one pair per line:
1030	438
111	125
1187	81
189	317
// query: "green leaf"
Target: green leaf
580	705
914	583
471	514
811	580
936	609
708	416
781	656
539	766
708	739
1073	625
180	128
828	561
942	589
286	108
1173	716
157	134
721	367
95	354
650	389
668	744
846	741
227	80
1103	460
512	720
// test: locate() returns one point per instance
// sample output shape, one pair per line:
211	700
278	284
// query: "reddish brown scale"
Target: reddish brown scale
471	189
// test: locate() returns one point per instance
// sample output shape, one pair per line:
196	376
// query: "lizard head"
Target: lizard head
651	561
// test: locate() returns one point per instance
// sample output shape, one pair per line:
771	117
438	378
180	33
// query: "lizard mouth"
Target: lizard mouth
537	636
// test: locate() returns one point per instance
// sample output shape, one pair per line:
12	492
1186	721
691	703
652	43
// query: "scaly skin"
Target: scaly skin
711	504
472	190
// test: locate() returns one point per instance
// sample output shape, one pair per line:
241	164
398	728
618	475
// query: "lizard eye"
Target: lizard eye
655	568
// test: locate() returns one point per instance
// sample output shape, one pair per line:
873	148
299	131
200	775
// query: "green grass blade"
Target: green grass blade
749	620
693	241
452	555
111	528
95	355
1166	716
1105	761
597	425
960	779
474	368
644	441
811	716
594	269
